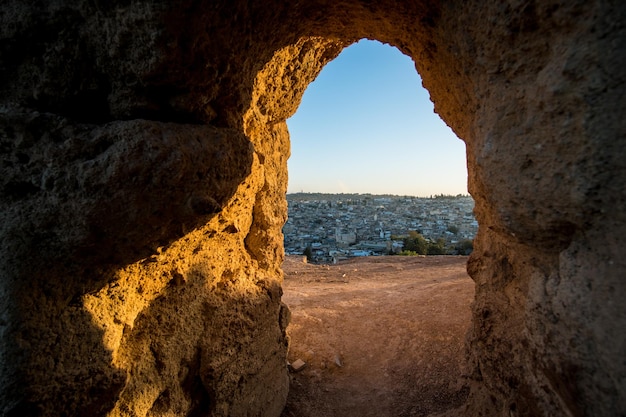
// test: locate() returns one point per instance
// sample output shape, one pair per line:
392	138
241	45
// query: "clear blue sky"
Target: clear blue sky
366	125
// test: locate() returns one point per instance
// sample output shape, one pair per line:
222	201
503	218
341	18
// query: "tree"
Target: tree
415	242
308	252
464	247
437	248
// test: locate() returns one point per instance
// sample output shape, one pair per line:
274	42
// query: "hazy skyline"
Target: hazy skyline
366	125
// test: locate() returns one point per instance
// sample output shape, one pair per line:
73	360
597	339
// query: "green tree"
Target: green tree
415	242
308	252
464	247
437	248
453	229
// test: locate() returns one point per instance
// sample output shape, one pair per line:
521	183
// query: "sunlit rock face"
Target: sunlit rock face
143	175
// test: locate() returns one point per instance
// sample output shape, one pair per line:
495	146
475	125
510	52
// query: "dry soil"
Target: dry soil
380	336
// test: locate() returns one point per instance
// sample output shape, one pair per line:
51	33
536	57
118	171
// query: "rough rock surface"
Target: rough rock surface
142	179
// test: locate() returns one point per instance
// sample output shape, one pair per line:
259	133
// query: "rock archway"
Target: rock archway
143	176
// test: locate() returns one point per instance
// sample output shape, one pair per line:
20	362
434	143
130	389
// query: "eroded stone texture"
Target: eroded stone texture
143	175
545	173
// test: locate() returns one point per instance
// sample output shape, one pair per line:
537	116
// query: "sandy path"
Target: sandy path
381	336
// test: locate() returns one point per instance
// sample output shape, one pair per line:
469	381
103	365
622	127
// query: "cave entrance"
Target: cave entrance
374	335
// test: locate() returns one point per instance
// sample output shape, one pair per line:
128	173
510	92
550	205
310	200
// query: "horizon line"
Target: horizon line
385	194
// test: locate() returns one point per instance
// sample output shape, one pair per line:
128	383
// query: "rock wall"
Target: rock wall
545	171
143	175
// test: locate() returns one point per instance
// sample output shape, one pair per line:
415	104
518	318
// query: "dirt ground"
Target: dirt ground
380	336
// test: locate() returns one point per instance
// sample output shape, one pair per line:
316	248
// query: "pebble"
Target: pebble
297	365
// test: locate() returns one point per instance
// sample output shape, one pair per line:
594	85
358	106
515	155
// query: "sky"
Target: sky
366	125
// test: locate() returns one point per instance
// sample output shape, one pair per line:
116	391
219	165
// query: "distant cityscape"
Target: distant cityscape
331	227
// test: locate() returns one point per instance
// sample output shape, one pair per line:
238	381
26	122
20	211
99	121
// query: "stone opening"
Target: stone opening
141	247
371	342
